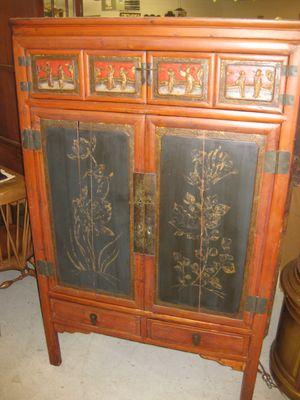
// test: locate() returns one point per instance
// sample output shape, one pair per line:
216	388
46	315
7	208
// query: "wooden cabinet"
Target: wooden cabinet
157	156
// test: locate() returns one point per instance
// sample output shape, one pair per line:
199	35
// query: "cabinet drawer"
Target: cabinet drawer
251	82
92	318
117	76
183	79
56	74
197	340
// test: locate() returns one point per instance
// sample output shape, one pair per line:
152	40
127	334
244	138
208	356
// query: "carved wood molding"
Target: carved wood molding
233	364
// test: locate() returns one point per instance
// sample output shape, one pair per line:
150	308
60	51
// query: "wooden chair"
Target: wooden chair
15	235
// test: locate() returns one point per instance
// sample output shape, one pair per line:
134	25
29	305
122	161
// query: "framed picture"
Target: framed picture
109	5
130	14
132	5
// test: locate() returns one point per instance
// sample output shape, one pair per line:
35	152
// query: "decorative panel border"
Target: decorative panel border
115	76
56	74
251	82
180	78
92	215
216	165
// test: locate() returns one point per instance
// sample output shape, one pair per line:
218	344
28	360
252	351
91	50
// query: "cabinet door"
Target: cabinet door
212	201
89	162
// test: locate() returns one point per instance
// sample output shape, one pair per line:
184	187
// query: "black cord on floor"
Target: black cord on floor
267	378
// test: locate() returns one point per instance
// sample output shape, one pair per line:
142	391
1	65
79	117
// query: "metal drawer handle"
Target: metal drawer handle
93	318
196	339
146	69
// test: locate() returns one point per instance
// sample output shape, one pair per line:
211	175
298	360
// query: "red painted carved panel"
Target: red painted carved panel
56	73
115	76
180	78
255	82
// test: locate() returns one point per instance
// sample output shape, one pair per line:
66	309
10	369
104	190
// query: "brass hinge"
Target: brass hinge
24	61
277	162
25	86
287	99
144	212
31	140
44	268
256	305
289	70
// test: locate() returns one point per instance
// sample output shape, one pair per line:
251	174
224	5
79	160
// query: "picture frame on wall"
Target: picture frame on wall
130	14
109	5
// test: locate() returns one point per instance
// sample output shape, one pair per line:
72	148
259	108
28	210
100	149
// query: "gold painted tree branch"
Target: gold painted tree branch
91	217
198	219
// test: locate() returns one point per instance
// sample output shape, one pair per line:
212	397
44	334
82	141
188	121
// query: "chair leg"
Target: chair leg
23	274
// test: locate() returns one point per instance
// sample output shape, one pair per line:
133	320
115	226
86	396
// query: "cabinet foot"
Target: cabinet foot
50	332
249	379
53	348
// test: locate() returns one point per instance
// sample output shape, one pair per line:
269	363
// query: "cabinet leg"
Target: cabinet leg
50	332
53	346
249	380
251	368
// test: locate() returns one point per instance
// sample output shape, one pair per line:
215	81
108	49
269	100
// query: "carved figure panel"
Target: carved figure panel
182	79
206	194
55	74
91	204
250	82
115	76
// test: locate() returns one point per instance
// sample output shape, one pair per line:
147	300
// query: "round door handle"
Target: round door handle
196	339
93	318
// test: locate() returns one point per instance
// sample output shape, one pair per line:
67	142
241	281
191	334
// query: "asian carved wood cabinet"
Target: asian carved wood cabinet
157	155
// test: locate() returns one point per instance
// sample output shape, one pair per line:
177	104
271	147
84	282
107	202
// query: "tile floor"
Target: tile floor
97	367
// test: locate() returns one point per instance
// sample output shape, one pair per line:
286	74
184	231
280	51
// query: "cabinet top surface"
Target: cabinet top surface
275	30
162	21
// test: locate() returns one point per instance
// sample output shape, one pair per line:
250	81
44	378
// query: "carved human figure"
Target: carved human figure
189	79
98	73
123	76
200	73
71	70
257	83
38	70
48	70
271	78
110	78
171	80
241	83
60	76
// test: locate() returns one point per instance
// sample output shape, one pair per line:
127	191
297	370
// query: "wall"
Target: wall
207	8
10	149
251	9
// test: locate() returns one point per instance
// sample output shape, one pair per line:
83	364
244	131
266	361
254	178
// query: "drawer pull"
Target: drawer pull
196	339
93	318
